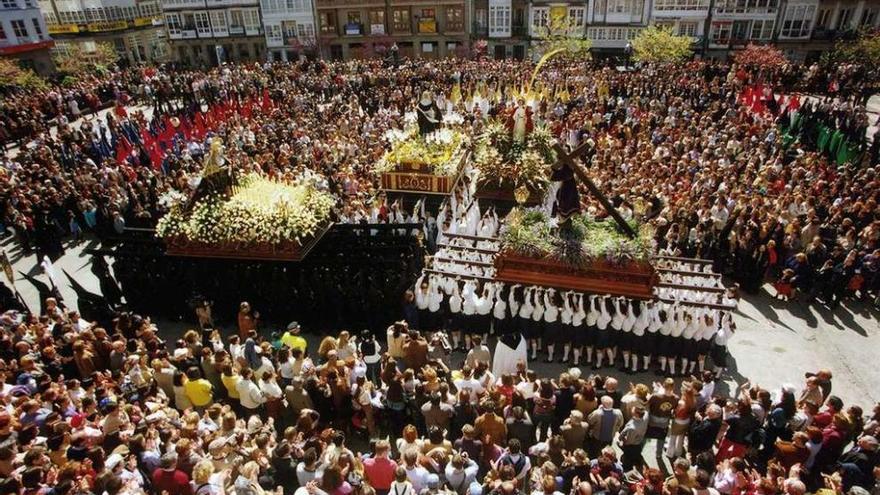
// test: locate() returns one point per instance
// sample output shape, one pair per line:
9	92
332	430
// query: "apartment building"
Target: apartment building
810	27
357	28
24	36
611	24
132	27
289	26
504	25
210	32
684	17
736	23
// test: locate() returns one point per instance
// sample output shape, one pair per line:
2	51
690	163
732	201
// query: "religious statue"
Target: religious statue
519	122
215	177
568	201
214	160
429	115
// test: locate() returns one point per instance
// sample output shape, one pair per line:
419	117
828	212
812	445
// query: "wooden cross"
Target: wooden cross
581	173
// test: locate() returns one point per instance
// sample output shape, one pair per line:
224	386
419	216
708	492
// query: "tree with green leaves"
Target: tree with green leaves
865	50
76	61
563	38
659	45
13	76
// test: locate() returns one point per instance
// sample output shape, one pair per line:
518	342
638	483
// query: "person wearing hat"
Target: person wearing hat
292	337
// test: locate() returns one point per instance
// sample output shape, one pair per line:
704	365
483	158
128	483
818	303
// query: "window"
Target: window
19	28
687	29
499	20
823	19
721	33
540	16
664	24
762	30
798	21
251	20
400	20
576	16
218	22
428	13
9	4
172	21
681	5
203	26
596	33
289	28
37	28
328	22
843	21
617	6
377	22
354	17
480	16
2	32
869	17
455	19
236	19
747	6
273	34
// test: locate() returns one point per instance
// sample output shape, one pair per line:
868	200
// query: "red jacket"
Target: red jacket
175	482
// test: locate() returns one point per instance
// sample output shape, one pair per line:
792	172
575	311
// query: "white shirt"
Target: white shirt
251	396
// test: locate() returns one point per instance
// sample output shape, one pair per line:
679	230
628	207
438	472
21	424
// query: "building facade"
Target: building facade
205	33
611	24
736	23
504	26
684	17
289	26
356	28
810	27
24	36
132	27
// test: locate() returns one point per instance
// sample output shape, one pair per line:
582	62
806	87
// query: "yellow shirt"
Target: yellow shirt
231	382
293	341
199	392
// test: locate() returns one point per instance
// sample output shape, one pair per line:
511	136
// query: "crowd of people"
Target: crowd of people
114	408
675	147
92	410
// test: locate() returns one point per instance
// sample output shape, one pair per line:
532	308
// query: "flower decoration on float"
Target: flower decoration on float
532	233
507	163
260	210
437	153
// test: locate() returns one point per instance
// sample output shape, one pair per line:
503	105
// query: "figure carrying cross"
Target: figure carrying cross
569	171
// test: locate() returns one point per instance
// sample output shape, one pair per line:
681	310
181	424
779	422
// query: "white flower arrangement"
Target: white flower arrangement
453	118
260	211
171	198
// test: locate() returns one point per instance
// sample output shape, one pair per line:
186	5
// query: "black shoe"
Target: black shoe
659	372
563	361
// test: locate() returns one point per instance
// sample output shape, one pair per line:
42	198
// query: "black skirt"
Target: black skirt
470	324
603	338
648	344
556	332
666	346
484	323
719	355
534	329
425	320
501	326
585	335
454	321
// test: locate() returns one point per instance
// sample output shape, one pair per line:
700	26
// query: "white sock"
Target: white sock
577	357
